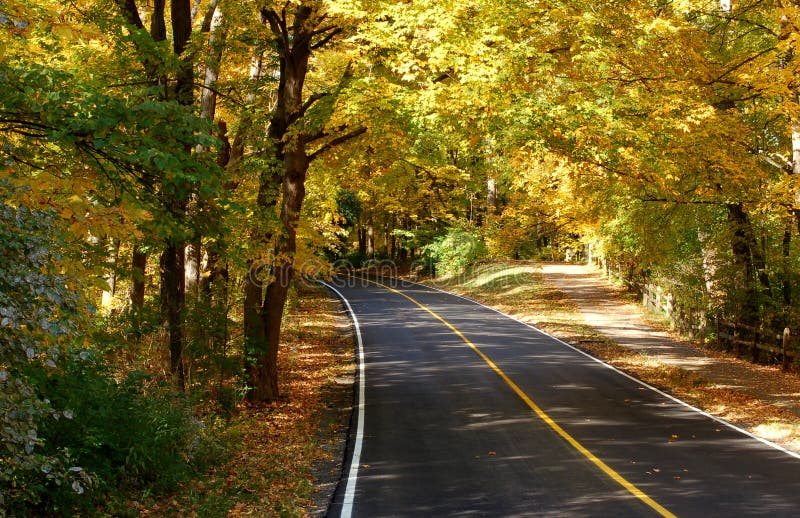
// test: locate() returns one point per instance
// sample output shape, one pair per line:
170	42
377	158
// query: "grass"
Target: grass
273	449
519	290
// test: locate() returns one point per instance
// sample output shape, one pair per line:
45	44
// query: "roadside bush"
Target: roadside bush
453	252
40	310
73	439
126	436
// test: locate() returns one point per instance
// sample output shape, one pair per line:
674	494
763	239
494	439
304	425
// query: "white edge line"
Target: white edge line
609	366
352	476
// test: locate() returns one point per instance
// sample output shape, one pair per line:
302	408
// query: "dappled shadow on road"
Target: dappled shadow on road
466	436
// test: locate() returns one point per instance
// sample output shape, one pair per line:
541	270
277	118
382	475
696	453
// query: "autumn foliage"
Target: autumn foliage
169	170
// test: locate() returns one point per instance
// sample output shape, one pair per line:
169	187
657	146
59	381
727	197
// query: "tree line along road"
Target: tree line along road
461	410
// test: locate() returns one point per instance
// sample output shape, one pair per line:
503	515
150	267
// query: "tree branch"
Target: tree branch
337	141
24	122
324	41
206	27
322	30
323	134
17	159
273	20
219	93
307	105
130	12
652	199
741	64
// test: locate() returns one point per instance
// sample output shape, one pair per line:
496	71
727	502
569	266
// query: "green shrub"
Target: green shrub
453	252
126	436
73	438
40	311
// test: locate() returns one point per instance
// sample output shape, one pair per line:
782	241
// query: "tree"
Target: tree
298	30
174	75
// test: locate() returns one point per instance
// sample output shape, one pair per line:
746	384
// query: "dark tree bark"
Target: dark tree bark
172	299
263	336
181	11
138	265
173	273
362	240
787	272
749	261
158	26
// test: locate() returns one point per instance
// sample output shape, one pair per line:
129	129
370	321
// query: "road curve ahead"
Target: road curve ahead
466	412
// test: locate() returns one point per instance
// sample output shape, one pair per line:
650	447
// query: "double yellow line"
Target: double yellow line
605	468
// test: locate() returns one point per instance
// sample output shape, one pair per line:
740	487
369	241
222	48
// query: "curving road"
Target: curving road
467	412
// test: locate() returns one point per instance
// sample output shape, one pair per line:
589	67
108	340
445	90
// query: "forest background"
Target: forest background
169	167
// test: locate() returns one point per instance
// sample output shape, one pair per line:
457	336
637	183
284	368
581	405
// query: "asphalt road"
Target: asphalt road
466	412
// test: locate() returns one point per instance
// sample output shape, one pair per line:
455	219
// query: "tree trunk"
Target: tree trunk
181	11
742	246
294	43
370	241
208	106
216	42
491	197
138	266
255	335
786	280
172	300
387	246
172	259
192	260
111	275
709	256
362	240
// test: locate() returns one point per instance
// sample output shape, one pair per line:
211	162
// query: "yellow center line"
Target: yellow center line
635	491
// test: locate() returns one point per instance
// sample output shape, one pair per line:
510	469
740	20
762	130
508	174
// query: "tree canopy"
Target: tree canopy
169	169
